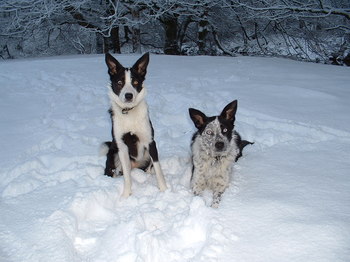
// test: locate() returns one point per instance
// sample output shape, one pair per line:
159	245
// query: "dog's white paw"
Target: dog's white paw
126	194
163	187
214	205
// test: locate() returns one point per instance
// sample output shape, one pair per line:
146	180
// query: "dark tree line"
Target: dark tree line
314	30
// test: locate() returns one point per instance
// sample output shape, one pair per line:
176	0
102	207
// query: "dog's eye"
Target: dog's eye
120	82
224	130
209	132
136	82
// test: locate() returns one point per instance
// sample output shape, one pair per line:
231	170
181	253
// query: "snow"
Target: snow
289	195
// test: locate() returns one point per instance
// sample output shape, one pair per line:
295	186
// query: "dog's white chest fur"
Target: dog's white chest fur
211	172
212	168
135	121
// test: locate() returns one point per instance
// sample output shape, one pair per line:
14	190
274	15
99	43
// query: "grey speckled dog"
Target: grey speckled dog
215	146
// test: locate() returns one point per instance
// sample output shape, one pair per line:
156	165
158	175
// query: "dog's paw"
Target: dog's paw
163	187
126	194
117	173
214	205
216	199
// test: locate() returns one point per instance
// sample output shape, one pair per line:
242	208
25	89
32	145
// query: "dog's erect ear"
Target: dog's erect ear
229	111
141	65
113	65
197	117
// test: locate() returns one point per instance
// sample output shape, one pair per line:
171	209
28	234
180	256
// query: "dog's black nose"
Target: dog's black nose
219	145
128	96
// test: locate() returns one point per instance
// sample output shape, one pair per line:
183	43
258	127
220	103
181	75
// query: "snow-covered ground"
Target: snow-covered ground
289	195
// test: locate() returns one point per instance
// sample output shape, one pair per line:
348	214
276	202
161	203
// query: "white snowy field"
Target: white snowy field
289	195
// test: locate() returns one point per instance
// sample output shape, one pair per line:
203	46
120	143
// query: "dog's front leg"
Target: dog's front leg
198	179
124	158
219	185
198	183
216	198
159	173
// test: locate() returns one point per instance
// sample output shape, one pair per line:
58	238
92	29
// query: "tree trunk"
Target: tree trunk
136	39
202	36
100	44
115	40
171	44
112	42
136	33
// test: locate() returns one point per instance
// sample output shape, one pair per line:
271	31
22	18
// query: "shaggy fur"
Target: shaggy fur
132	144
215	146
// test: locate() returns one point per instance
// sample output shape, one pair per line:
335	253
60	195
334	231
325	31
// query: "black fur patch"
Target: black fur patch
226	128
241	144
110	164
153	151
131	141
118	82
136	80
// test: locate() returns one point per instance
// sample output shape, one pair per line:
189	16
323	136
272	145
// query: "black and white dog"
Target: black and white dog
215	146
133	144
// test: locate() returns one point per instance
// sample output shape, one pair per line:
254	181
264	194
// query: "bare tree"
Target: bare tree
303	26
298	29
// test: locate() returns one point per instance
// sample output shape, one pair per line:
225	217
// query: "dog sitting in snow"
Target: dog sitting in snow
215	146
133	144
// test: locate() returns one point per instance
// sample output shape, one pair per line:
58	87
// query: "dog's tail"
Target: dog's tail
242	144
104	148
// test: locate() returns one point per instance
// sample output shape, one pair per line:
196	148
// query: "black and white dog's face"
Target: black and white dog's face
216	132
127	89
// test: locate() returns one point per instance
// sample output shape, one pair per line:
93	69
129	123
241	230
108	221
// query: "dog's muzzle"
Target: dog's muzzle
219	146
128	97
